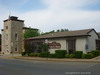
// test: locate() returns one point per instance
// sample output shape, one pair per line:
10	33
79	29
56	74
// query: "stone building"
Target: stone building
12	35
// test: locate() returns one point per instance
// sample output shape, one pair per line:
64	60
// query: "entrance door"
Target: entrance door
71	46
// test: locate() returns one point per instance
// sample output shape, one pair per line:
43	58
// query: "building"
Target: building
12	35
0	43
79	40
12	39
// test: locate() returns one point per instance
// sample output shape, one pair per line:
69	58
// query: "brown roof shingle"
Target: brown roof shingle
64	34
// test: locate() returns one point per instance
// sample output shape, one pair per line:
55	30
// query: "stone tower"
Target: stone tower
12	35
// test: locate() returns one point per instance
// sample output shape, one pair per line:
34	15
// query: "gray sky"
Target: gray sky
48	15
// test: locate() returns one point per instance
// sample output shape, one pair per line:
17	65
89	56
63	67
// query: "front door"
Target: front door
71	46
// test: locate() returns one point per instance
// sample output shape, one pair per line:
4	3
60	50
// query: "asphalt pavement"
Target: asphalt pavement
34	67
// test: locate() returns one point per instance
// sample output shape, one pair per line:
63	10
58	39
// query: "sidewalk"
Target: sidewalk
58	60
10	55
18	56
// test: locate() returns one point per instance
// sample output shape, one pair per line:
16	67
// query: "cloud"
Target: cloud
69	4
62	14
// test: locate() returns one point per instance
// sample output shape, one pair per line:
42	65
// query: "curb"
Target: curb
58	60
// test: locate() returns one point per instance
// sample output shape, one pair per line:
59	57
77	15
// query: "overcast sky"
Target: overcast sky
48	15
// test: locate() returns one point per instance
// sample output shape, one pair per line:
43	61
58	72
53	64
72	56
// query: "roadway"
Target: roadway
33	67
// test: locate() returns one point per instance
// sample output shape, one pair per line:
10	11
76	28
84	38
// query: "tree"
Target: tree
62	30
53	31
48	32
44	47
58	30
31	33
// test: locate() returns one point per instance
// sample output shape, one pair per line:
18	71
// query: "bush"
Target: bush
34	54
78	54
23	53
60	53
31	54
67	56
72	55
87	56
95	53
52	55
44	54
99	52
41	55
38	54
28	53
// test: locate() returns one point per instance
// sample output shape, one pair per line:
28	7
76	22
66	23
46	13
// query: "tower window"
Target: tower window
6	36
6	27
16	36
16	48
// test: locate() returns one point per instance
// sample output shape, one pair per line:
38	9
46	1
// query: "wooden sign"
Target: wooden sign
54	45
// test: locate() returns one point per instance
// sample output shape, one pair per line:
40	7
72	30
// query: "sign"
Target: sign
54	45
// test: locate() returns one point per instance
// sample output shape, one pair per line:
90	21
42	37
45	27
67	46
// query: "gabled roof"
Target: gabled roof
76	33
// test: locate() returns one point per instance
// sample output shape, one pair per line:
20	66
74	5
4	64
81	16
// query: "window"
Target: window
6	27
16	48
16	36
6	36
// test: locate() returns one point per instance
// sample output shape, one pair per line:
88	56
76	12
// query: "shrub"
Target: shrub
31	54
67	56
38	54
44	54
23	53
87	56
52	55
34	54
41	55
72	55
28	53
95	53
60	53
99	52
78	54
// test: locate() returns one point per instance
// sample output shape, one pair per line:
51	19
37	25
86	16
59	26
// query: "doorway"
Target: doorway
71	46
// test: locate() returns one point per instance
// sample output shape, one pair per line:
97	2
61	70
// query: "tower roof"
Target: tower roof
13	18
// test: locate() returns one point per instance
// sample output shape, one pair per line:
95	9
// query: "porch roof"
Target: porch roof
76	33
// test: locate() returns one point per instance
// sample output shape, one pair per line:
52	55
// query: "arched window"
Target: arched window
16	36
